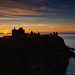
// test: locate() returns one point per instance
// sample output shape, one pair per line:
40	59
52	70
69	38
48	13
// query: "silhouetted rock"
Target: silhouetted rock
33	56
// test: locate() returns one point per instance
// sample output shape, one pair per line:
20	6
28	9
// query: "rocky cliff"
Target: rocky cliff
34	56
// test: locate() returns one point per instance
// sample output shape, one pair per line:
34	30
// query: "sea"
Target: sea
69	39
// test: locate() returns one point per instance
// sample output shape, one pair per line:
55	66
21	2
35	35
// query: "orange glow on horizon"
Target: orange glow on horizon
5	32
41	31
42	28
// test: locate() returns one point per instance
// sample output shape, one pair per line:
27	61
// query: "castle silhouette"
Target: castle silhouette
20	33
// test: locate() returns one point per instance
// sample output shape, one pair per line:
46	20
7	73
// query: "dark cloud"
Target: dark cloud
32	7
65	6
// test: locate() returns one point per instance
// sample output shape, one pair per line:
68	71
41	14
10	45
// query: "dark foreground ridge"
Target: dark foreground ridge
33	56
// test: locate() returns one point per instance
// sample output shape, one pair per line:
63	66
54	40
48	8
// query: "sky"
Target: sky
37	15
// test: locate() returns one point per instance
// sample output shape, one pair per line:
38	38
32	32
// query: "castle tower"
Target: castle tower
18	33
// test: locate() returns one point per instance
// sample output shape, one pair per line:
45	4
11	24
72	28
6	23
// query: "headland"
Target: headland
33	54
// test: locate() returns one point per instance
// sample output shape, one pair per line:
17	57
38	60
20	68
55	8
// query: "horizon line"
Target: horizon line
41	32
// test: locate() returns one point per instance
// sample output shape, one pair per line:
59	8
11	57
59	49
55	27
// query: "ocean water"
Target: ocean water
3	34
69	39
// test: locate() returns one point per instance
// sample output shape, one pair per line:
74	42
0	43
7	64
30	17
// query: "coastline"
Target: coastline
46	55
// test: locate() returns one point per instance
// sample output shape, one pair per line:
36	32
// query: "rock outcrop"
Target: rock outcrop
34	56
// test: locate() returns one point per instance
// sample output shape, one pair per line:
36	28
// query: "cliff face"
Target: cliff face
34	56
